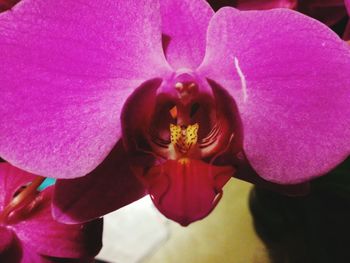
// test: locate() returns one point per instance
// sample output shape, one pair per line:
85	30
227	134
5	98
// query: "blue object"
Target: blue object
47	182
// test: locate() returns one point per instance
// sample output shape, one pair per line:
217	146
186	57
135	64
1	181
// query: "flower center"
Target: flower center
179	146
183	138
188	126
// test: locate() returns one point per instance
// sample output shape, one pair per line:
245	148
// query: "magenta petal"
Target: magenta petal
43	234
289	76
67	68
347	5
109	187
184	26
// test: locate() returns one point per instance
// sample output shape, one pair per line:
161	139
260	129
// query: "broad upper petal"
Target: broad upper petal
184	28
67	68
289	77
109	187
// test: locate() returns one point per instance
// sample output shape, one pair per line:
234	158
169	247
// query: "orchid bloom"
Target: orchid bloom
29	234
169	99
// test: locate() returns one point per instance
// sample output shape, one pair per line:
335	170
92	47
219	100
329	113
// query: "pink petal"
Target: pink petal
347	5
109	187
288	75
184	26
41	233
186	192
67	68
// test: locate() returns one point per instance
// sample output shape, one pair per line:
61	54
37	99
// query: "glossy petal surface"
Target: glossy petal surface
67	68
109	187
289	77
186	191
184	28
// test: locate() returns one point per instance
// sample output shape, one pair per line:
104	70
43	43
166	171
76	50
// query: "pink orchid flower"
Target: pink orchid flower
29	233
169	99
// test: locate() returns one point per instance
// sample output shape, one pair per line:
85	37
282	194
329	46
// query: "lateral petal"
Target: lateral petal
289	77
67	68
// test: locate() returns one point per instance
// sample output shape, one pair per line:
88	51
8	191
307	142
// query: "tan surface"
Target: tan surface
227	235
